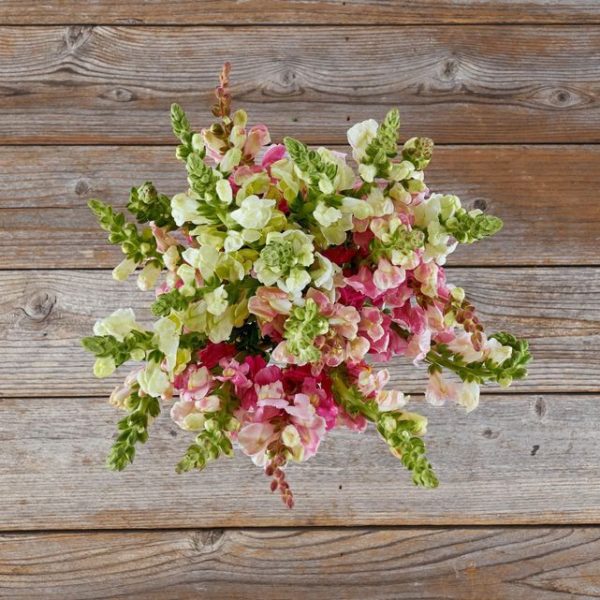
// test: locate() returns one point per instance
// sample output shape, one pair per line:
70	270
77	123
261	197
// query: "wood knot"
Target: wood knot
205	540
561	98
285	83
76	36
449	69
118	94
39	306
82	187
489	434
540	407
480	204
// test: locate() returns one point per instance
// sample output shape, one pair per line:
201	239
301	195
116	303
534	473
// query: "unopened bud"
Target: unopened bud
197	143
210	425
458	294
418	151
505	381
182	152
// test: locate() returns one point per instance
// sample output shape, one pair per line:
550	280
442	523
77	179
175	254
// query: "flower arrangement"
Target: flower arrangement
278	274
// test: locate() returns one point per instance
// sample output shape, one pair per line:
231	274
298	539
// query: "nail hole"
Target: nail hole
534	449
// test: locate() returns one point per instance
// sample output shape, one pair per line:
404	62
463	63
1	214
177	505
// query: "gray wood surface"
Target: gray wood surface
509	89
43	315
49	226
438	564
459	84
297	12
518	459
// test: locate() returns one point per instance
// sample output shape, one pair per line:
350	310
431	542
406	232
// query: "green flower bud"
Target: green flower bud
104	366
301	328
458	294
181	152
197	143
240	118
418	151
211	425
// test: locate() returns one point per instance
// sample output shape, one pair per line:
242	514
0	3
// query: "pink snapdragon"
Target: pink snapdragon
285	269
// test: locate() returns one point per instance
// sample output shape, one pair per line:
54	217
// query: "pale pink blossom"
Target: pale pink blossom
164	240
389	400
363	282
388	276
254	439
439	389
271	305
194	382
273	154
257	137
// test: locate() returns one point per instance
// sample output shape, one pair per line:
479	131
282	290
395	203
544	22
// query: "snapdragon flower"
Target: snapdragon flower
281	274
284	260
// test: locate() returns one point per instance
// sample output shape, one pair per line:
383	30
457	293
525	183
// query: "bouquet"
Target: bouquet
282	275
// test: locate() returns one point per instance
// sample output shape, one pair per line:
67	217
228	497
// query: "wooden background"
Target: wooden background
509	89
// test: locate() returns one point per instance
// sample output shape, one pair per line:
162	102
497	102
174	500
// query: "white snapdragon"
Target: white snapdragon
153	380
119	324
204	259
359	137
166	337
148	276
254	212
184	208
124	269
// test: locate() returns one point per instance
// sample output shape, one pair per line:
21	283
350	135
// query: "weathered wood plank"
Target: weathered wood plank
297	12
49	226
516	459
43	314
476	84
495	564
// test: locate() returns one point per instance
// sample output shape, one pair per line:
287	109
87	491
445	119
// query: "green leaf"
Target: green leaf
103	346
133	429
136	245
399	429
400	433
209	445
441	357
169	301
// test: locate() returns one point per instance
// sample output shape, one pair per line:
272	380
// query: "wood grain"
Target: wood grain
297	12
49	226
492	563
43	315
460	84
529	459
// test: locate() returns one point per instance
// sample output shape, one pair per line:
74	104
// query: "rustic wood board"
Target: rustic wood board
43	315
297	12
546	563
509	90
459	84
49	226
518	459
